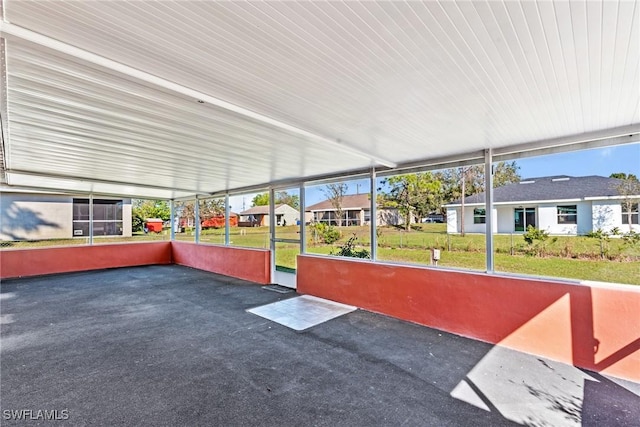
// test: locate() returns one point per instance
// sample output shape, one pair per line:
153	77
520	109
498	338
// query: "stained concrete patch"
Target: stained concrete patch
302	312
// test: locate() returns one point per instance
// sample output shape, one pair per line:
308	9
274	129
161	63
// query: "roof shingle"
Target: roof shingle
559	187
349	201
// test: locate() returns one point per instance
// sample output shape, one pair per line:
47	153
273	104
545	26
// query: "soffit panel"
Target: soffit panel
75	119
402	81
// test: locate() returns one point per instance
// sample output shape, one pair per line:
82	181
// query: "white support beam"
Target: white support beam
272	232
597	139
488	185
303	221
4	119
12	30
196	218
99	181
172	206
227	220
91	219
373	210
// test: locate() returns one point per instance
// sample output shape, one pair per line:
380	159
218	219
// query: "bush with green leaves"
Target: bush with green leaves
324	233
604	237
349	249
631	238
536	240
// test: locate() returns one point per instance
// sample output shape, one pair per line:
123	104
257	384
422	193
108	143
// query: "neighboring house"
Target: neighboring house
356	210
38	216
220	221
258	216
556	204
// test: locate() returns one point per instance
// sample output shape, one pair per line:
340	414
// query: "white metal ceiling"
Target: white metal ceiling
393	81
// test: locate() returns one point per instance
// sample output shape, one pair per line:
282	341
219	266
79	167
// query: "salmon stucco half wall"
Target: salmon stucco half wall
40	261
593	326
243	263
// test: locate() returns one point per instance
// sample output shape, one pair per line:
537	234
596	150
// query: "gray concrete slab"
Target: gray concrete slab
169	345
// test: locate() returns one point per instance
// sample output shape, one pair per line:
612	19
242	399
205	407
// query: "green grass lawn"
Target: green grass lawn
573	257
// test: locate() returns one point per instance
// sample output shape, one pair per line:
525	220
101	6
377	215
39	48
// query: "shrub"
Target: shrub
325	233
536	240
631	238
349	249
534	234
603	237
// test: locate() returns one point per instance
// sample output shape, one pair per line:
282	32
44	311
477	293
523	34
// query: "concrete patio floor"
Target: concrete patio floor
169	345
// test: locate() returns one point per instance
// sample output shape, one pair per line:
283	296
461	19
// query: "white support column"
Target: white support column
91	219
196	219
172	219
272	231
303	227
374	216
488	185
227	221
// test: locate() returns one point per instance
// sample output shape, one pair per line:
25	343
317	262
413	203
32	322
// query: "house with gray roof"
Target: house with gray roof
561	205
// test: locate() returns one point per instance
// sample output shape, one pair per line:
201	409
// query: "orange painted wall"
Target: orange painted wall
39	261
594	327
244	263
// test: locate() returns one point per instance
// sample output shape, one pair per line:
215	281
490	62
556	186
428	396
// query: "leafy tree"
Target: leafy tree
623	176
282	197
503	173
335	194
293	200
261	199
144	209
414	195
210	208
151	209
628	188
185	210
462	182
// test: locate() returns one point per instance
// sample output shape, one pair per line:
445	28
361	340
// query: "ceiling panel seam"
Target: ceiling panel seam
22	33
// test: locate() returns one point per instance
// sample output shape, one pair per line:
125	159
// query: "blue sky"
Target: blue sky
601	161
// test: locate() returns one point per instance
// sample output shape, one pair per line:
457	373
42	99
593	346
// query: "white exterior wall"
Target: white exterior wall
35	217
505	219
548	218
290	214
607	214
469	226
585	217
387	216
126	218
41	216
604	214
452	220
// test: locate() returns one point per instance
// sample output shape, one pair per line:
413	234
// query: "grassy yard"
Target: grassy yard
563	256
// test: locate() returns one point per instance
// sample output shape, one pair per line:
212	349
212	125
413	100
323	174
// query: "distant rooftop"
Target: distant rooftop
557	187
349	201
261	210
